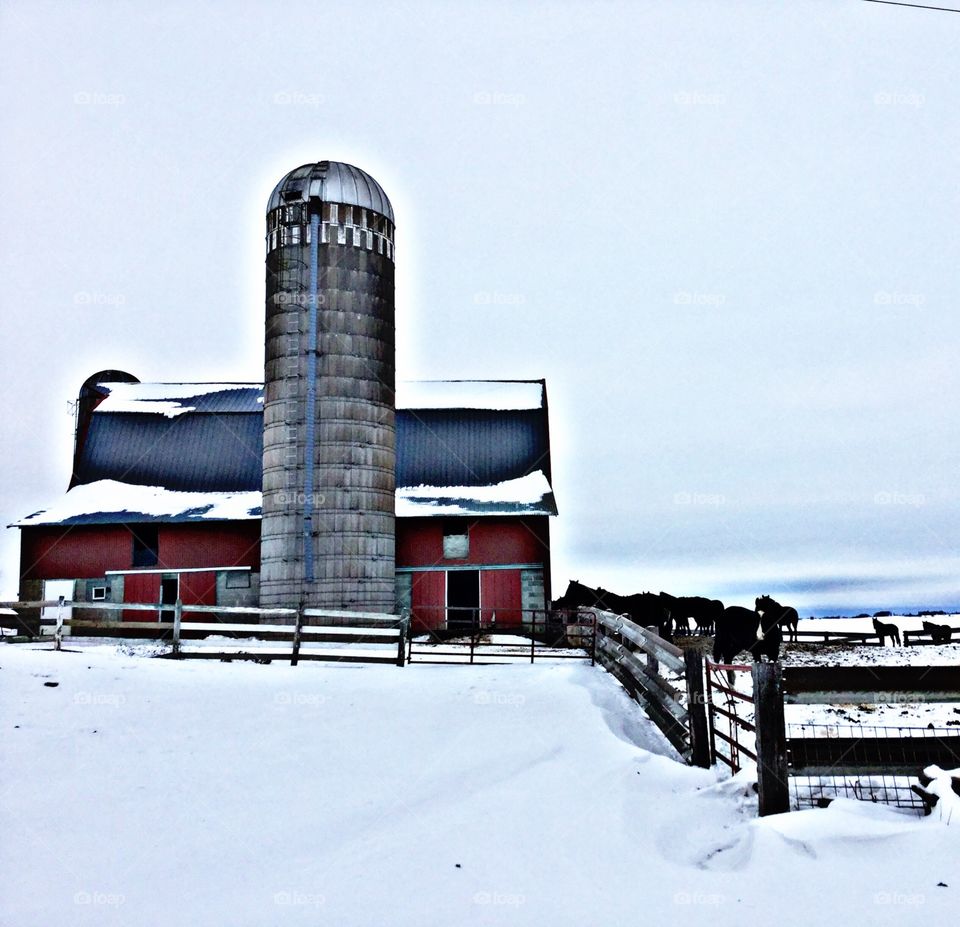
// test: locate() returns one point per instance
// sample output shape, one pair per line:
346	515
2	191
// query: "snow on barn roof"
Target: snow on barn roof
112	501
527	495
471	394
172	399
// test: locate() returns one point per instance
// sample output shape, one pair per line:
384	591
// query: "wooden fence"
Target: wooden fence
299	629
635	655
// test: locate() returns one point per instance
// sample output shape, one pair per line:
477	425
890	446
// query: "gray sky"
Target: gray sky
724	232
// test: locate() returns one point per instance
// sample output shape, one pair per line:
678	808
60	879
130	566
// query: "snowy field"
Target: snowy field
140	791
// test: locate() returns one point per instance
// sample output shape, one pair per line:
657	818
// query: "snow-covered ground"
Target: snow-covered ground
139	791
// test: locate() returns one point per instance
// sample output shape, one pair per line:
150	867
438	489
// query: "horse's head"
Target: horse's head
763	603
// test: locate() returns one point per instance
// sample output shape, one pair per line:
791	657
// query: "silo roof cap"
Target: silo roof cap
332	182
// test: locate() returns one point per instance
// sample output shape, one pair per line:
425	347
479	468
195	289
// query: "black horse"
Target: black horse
939	633
703	611
740	629
786	615
886	630
644	608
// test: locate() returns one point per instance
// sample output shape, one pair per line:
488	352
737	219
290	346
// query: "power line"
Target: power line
916	6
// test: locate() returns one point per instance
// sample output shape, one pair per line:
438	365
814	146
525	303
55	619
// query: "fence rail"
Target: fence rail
634	654
309	626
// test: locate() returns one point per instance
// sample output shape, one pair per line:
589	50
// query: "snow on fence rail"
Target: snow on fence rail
309	626
634	654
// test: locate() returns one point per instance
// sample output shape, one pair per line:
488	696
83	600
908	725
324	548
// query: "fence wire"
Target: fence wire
875	763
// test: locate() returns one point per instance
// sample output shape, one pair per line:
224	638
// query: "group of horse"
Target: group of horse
735	629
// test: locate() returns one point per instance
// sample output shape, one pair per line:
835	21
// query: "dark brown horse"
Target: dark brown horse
644	608
785	615
740	629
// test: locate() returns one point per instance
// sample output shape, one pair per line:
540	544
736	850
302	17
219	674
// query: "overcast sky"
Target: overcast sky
725	233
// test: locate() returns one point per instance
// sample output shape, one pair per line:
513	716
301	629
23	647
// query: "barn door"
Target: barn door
463	598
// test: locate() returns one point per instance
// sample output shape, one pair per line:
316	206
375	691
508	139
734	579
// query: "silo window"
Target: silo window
291	214
341	235
333	213
456	539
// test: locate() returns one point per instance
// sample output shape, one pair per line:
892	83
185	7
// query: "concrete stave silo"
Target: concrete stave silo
328	533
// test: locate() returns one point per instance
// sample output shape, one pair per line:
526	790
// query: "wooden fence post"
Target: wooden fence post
697	708
772	783
403	632
177	616
295	654
58	636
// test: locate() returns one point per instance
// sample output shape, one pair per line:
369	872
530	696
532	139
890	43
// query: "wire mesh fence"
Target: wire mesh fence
876	763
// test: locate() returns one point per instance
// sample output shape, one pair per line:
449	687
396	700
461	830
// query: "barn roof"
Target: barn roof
193	451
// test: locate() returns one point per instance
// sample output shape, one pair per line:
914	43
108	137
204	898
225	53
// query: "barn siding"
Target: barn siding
80	552
492	541
88	551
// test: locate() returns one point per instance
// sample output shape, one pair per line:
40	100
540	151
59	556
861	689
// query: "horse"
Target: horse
740	629
643	608
886	630
940	633
787	616
703	611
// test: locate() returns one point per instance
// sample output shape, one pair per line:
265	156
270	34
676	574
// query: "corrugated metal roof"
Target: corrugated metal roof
469	447
209	438
192	452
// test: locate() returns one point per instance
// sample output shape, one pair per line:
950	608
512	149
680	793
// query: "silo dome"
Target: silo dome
333	182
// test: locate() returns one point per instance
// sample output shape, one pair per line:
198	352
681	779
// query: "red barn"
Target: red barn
164	500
